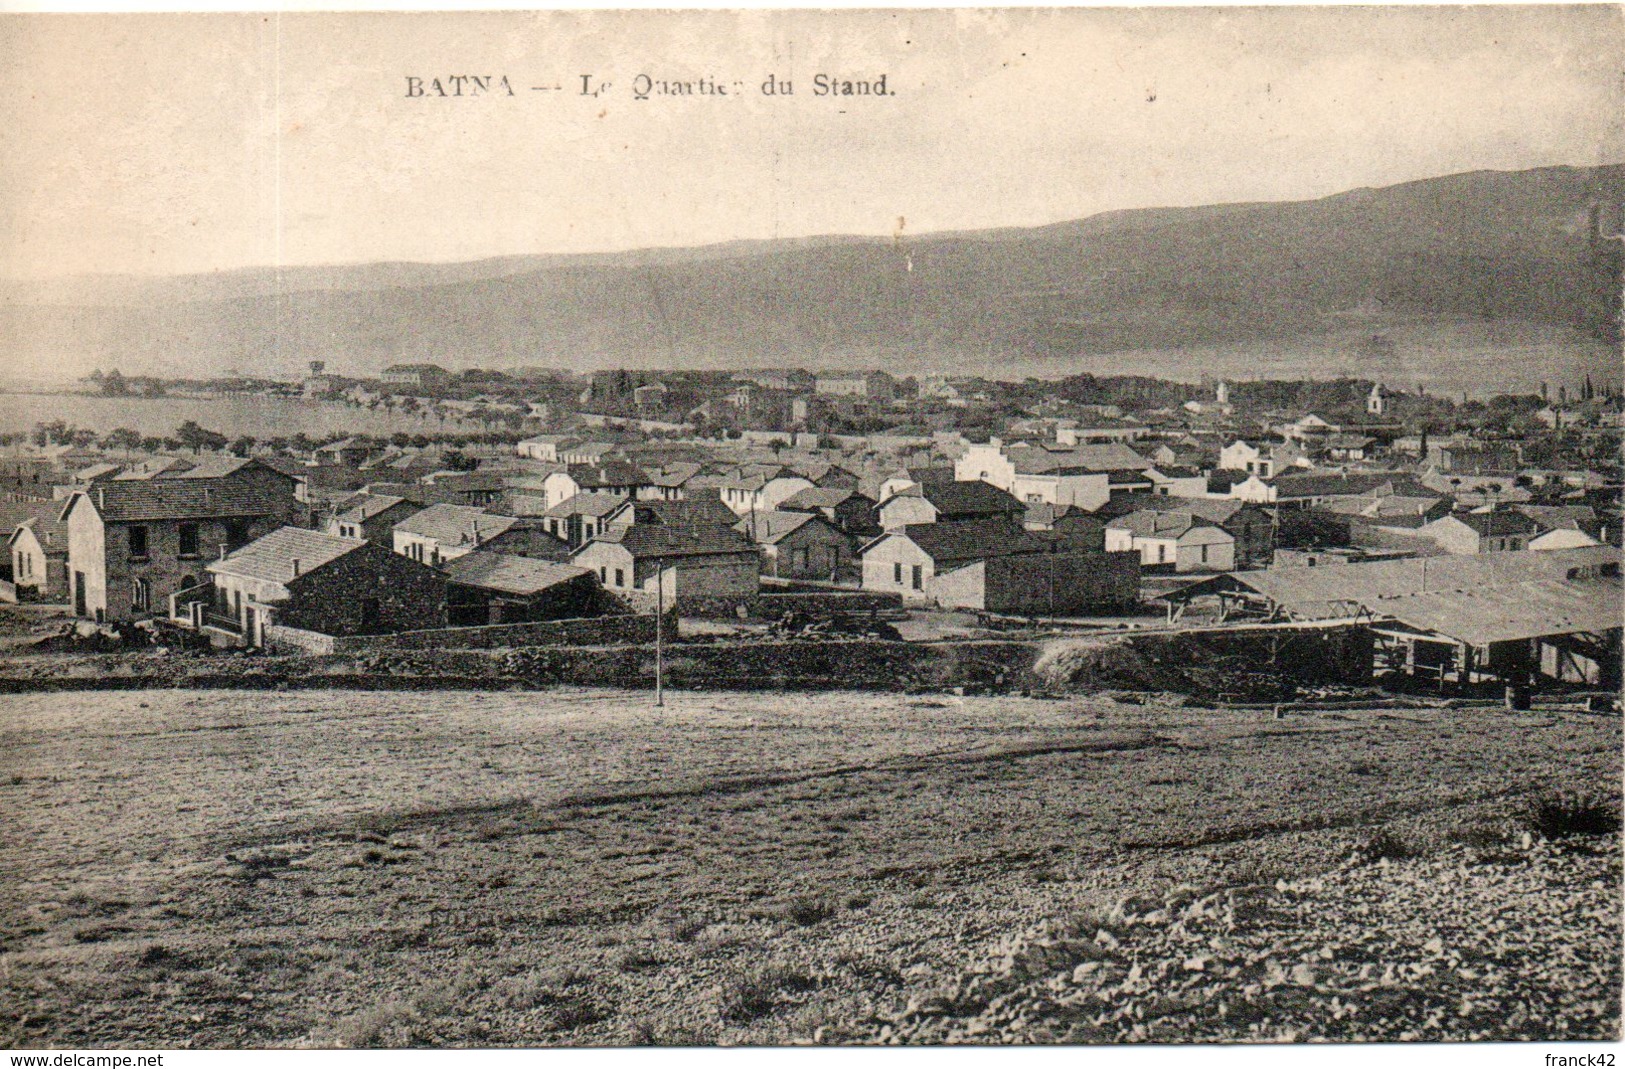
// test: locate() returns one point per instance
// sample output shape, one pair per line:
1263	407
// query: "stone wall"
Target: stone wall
596	631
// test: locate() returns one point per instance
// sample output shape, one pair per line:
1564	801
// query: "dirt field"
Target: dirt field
184	868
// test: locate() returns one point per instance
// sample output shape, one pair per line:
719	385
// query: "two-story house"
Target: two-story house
133	543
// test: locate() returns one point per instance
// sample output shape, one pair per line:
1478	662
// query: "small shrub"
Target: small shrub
807	911
375	1026
758	993
637	959
574	1011
1558	816
684	929
1385	843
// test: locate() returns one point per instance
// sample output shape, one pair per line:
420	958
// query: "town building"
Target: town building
1500	531
499	588
1175	541
798	545
949	502
38	549
445	532
133	543
371	517
314	581
429	379
682	564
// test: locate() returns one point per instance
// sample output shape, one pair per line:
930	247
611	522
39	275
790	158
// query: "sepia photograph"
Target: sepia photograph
898	527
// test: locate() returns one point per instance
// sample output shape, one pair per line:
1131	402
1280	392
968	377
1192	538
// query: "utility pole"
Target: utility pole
660	633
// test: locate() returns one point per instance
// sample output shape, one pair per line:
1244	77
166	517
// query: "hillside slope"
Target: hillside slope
1512	248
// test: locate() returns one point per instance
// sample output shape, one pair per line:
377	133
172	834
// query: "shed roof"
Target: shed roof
1514	611
1330	590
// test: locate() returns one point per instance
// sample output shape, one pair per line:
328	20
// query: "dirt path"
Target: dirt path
225	868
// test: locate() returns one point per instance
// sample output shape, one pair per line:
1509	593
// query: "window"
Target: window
1204	554
1162	552
919	577
620	577
897	574
138	541
140	595
603	575
236	534
189	540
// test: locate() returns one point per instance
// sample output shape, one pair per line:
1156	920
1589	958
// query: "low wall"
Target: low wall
773	603
595	631
758	666
283	639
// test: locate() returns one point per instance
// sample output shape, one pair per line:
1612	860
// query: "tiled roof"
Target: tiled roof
700	511
14	514
1043	460
609	473
1148	523
1329	591
772	527
1291	486
363	507
672	475
651	540
456	525
48	528
179	499
508	573
821	497
1491	524
1561	517
970	540
968	498
586	504
270	559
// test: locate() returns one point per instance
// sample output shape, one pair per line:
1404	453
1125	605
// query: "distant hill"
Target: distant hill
1364	274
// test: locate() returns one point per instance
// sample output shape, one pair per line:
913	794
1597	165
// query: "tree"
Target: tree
196	438
113	384
123	439
46	433
242	445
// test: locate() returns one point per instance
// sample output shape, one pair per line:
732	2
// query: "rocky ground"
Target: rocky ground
362	868
1517	941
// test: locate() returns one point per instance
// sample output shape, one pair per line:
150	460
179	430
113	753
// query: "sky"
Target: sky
164	144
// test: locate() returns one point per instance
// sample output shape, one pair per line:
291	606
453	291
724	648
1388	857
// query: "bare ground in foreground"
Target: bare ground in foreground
185	868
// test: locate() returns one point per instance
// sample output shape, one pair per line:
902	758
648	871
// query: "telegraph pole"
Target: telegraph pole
660	633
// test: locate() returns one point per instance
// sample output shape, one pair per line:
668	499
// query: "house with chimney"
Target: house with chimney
445	532
134	542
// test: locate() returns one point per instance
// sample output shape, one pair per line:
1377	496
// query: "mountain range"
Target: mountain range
1367	275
